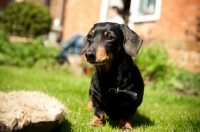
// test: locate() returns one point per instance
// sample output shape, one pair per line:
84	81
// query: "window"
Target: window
145	10
140	10
147	7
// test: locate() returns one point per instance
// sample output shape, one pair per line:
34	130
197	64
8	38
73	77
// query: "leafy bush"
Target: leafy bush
1	15
26	54
189	80
153	62
26	19
155	68
154	65
3	37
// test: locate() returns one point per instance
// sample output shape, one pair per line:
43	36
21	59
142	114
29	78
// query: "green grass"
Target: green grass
161	110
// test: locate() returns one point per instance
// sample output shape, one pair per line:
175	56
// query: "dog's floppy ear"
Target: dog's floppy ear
85	46
132	42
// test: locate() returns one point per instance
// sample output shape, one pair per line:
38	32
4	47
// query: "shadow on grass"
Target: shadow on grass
64	127
141	120
136	121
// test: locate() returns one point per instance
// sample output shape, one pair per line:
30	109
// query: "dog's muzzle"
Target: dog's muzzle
90	55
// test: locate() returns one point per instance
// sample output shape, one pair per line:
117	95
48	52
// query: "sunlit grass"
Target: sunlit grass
161	110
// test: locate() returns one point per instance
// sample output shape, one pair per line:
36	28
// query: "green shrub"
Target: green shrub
3	37
1	15
153	61
189	80
27	54
154	65
157	71
26	19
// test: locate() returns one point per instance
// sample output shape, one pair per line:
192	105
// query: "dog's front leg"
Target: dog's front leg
124	125
98	117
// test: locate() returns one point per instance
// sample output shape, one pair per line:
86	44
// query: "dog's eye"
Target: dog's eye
110	38
89	37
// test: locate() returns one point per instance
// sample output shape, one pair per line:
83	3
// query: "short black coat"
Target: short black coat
122	72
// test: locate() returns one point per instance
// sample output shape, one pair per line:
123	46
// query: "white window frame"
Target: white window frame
134	9
103	10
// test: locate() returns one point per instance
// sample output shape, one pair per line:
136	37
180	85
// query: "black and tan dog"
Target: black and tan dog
117	86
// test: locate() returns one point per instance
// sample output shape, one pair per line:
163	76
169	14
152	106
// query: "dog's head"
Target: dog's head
105	40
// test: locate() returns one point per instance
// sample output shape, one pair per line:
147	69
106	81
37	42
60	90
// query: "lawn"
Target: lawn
161	110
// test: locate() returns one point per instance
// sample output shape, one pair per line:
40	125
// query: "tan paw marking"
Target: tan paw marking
125	125
96	121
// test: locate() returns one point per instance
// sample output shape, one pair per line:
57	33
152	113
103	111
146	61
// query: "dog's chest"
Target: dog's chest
115	100
109	95
120	77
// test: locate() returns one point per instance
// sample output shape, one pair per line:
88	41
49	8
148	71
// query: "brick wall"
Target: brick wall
185	53
4	4
36	1
79	16
178	20
177	28
55	7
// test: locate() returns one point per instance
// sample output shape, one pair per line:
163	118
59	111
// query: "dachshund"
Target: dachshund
117	86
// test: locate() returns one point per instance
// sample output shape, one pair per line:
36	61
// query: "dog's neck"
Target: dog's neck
111	64
112	68
113	76
105	68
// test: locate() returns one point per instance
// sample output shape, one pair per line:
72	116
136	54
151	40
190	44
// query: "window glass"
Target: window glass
145	10
147	7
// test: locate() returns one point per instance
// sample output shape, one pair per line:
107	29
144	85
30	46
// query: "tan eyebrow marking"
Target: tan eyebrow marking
92	31
105	33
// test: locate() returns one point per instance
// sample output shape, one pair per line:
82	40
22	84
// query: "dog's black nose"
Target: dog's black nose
90	55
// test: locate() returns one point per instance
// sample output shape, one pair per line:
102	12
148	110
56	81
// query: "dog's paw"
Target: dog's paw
96	121
125	126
